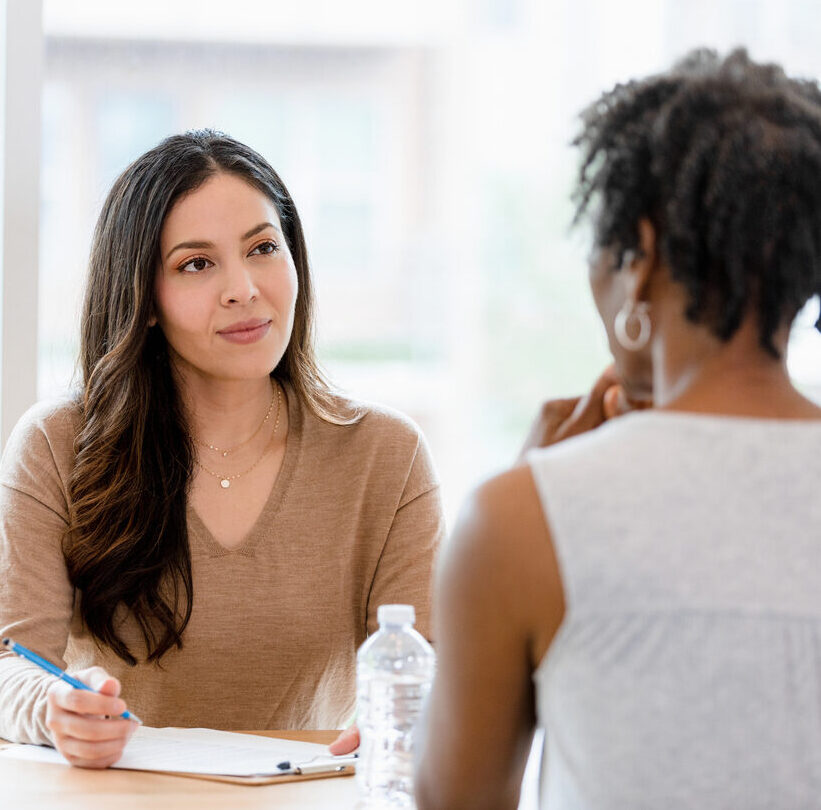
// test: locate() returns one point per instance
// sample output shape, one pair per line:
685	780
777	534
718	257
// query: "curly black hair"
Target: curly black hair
723	156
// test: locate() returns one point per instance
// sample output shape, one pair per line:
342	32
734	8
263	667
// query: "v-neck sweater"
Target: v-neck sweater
352	522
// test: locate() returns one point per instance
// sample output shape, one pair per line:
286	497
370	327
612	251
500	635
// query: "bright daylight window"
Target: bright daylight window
425	145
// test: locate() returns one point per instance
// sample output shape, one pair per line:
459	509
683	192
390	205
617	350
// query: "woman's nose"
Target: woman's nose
240	286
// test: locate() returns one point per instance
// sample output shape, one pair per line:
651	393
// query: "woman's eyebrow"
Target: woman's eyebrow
261	227
201	244
197	245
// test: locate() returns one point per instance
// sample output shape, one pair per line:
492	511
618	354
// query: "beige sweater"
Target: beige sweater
352	522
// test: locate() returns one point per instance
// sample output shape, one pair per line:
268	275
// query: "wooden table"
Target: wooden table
45	786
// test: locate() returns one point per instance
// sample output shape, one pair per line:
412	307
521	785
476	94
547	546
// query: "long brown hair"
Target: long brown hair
127	542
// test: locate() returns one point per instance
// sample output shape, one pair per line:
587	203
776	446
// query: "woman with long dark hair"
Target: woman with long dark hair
649	590
206	526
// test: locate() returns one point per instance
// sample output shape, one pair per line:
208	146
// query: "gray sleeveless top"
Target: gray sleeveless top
687	671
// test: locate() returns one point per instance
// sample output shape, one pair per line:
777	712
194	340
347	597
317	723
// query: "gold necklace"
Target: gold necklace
225	480
274	394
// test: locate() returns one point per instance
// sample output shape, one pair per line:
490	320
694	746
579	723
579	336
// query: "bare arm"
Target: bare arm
498	603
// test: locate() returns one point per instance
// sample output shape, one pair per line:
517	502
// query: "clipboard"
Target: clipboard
213	755
297	774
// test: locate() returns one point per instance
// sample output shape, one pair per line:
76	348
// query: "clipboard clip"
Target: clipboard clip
325	765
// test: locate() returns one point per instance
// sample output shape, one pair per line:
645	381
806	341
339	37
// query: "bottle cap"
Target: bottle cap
395	614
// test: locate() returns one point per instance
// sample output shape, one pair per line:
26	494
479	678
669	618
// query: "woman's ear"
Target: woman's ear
639	265
152	320
647	238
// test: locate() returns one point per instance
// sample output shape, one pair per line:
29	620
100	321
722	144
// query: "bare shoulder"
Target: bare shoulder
503	516
501	552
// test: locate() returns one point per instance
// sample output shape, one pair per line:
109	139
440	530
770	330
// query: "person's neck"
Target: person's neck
699	373
223	412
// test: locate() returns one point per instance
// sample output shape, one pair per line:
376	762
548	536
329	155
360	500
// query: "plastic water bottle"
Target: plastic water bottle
394	672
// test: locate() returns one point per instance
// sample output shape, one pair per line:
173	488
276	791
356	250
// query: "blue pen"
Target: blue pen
20	650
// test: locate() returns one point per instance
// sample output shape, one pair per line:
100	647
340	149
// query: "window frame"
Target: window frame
21	63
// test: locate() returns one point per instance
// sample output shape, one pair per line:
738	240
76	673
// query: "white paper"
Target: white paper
197	750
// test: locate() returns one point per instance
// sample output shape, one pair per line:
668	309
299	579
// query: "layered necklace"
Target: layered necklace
225	480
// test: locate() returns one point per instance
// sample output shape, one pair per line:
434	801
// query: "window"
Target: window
425	145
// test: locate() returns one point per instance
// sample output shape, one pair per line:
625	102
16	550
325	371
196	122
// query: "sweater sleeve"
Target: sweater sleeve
404	572
36	596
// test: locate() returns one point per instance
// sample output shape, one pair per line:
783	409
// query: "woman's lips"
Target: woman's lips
245	332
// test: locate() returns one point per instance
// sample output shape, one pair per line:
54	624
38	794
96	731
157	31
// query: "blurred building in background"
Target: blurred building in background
426	147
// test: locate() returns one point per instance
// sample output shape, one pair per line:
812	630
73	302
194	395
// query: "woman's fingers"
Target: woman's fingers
81	702
618	403
346	742
551	417
615	402
89	742
589	412
86	726
97	763
91	728
560	419
99	680
88	751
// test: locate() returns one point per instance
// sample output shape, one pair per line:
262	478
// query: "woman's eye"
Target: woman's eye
265	248
195	265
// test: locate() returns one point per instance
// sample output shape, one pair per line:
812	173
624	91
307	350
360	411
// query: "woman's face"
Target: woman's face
226	286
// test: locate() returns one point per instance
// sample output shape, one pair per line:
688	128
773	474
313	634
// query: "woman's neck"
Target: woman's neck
694	371
224	412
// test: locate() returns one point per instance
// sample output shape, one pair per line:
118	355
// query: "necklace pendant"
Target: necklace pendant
225	483
225	454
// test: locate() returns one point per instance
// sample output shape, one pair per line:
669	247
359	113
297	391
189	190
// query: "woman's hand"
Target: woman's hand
562	418
86	727
346	742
